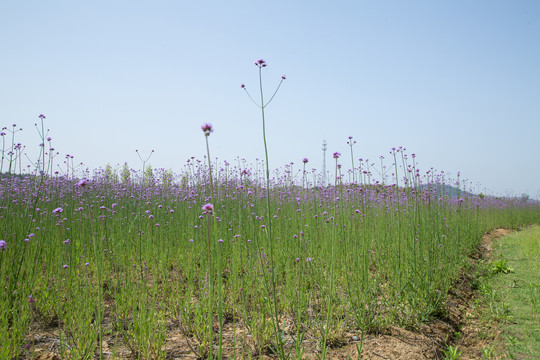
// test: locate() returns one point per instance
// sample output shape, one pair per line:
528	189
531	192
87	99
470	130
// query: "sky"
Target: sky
457	83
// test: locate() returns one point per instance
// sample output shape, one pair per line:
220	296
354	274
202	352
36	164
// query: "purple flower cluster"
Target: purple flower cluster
260	63
81	183
208	208
207	128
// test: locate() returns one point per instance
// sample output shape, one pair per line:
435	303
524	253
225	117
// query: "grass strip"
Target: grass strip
517	260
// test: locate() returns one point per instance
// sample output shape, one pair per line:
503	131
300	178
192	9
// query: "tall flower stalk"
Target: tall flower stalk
208	209
279	341
330	294
351	142
144	161
304	183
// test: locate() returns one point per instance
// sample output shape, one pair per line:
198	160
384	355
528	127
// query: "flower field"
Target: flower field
129	260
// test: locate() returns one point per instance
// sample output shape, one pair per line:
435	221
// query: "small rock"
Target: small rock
105	345
355	338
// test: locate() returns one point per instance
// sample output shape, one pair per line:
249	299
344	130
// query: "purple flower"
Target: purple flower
243	86
260	63
305	160
337	155
207	128
81	183
220	241
41	116
3	245
309	259
58	210
86	264
208	208
67	241
65	266
31	299
283	77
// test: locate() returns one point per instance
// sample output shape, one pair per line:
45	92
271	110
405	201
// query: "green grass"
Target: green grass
520	290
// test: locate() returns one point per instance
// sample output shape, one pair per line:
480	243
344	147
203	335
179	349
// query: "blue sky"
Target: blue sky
455	82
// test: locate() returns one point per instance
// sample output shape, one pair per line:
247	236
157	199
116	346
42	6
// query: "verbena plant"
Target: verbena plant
121	257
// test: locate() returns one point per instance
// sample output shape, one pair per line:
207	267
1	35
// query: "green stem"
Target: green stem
281	352
211	275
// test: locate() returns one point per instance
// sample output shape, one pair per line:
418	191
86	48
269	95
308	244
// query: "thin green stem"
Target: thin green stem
281	351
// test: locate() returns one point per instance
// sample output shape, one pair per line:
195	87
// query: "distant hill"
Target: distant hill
6	175
449	190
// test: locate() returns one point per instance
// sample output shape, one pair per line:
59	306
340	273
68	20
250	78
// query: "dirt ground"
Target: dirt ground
428	342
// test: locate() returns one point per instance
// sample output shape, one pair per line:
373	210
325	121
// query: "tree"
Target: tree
126	174
110	174
148	176
167	177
